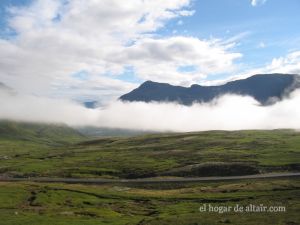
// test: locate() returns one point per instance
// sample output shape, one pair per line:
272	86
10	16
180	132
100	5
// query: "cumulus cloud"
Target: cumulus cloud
170	55
288	64
258	2
55	39
95	88
80	49
226	113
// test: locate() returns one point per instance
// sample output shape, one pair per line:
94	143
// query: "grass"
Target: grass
39	150
68	154
39	133
43	204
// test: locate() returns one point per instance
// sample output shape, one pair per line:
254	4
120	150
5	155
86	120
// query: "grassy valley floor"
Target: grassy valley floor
153	204
56	151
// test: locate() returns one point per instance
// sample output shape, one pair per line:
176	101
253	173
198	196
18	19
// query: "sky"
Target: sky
87	50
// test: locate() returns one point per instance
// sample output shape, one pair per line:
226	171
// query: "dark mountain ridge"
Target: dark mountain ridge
265	88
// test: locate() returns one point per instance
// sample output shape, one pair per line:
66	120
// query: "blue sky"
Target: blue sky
267	30
111	47
4	16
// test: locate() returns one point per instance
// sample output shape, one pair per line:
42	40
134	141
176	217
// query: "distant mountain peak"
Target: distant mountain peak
195	85
149	82
152	84
262	87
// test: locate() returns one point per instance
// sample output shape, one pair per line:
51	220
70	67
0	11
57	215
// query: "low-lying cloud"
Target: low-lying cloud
230	112
39	109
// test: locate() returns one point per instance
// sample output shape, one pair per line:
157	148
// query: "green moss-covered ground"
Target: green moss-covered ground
209	153
39	150
155	204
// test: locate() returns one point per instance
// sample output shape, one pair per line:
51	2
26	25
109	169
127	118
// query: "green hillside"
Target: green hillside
41	150
38	132
59	151
174	204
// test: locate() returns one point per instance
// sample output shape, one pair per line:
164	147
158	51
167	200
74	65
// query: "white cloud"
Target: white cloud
96	88
261	45
226	113
40	109
55	39
170	54
236	37
179	22
258	2
289	64
58	38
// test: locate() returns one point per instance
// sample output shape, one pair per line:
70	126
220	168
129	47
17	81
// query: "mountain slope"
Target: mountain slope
38	132
265	88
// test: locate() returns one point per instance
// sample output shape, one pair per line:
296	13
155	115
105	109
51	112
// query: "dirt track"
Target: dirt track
147	180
